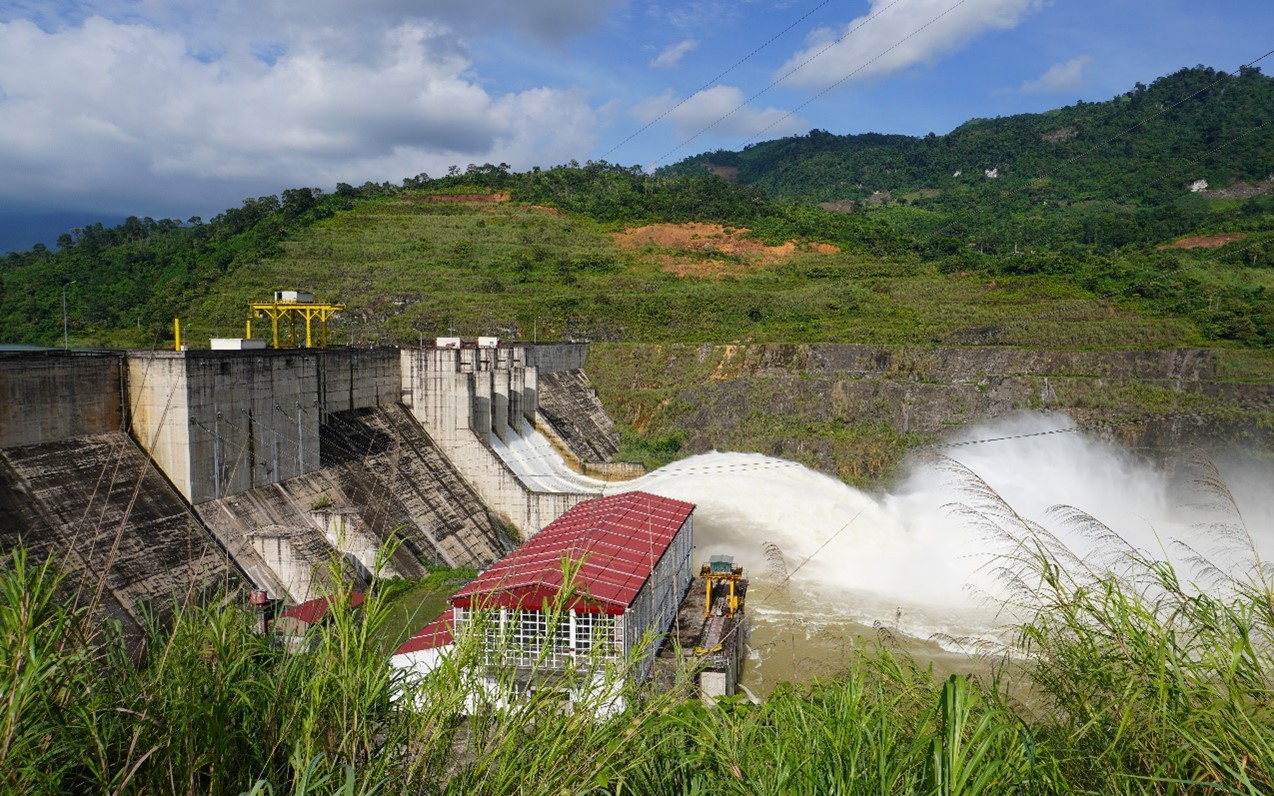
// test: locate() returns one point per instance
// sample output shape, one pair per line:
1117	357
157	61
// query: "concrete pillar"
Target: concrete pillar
294	573
713	685
157	404
530	393
500	403
483	387
517	391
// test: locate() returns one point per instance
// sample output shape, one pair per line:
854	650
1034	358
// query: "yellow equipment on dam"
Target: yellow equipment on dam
294	305
724	588
711	628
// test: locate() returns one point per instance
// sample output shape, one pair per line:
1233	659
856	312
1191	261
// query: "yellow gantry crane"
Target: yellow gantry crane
721	569
294	306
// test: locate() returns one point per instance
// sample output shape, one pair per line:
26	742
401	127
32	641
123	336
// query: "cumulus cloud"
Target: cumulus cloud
139	114
896	34
672	54
1060	78
718	111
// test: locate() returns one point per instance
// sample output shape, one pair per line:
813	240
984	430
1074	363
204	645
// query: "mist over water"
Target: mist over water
820	554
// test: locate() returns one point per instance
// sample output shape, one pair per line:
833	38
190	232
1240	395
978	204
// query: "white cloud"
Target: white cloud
672	54
718	111
1060	78
108	112
695	15
896	35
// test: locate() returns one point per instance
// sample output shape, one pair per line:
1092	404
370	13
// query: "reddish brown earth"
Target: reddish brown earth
1203	242
689	249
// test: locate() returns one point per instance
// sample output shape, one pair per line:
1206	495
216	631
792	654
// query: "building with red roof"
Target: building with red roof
594	585
313	611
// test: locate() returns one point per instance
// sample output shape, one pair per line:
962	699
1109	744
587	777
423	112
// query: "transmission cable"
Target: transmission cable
716	79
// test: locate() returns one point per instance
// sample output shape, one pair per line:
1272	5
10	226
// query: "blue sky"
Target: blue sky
173	108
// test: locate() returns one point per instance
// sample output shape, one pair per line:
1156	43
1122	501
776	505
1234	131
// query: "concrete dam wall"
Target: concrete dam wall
383	480
46	397
75	487
477	405
278	463
570	407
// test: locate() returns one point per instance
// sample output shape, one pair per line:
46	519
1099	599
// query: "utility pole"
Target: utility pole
66	330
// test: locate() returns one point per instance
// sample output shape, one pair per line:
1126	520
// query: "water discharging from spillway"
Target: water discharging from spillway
828	562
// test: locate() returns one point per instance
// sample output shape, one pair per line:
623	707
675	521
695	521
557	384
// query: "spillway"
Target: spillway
537	464
828	561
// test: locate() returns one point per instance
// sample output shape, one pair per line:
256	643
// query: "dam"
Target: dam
157	475
161	476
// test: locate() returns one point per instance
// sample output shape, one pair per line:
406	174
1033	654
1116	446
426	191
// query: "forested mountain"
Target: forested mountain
947	239
1103	174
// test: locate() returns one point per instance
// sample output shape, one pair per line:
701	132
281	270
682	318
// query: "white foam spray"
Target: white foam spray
819	551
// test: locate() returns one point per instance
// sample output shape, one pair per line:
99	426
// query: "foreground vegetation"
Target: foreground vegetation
1125	678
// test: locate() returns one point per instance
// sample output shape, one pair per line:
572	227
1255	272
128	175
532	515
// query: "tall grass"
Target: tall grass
1137	680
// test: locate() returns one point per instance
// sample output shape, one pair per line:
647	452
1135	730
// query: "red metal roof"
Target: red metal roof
312	611
618	539
435	634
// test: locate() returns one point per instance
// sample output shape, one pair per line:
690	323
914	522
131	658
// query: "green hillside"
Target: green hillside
1068	245
545	254
409	267
1089	176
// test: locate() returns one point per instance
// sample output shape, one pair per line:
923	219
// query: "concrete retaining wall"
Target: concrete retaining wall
357	378
47	396
223	422
555	357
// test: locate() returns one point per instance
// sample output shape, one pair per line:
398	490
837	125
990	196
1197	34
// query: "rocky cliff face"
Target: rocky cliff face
854	410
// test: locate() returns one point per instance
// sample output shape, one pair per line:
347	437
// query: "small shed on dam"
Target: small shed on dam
591	588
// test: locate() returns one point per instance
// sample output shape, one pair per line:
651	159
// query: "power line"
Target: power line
878	56
714	80
798	68
1108	424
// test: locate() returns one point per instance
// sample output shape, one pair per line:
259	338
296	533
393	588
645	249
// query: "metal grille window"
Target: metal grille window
494	637
561	641
527	637
595	634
